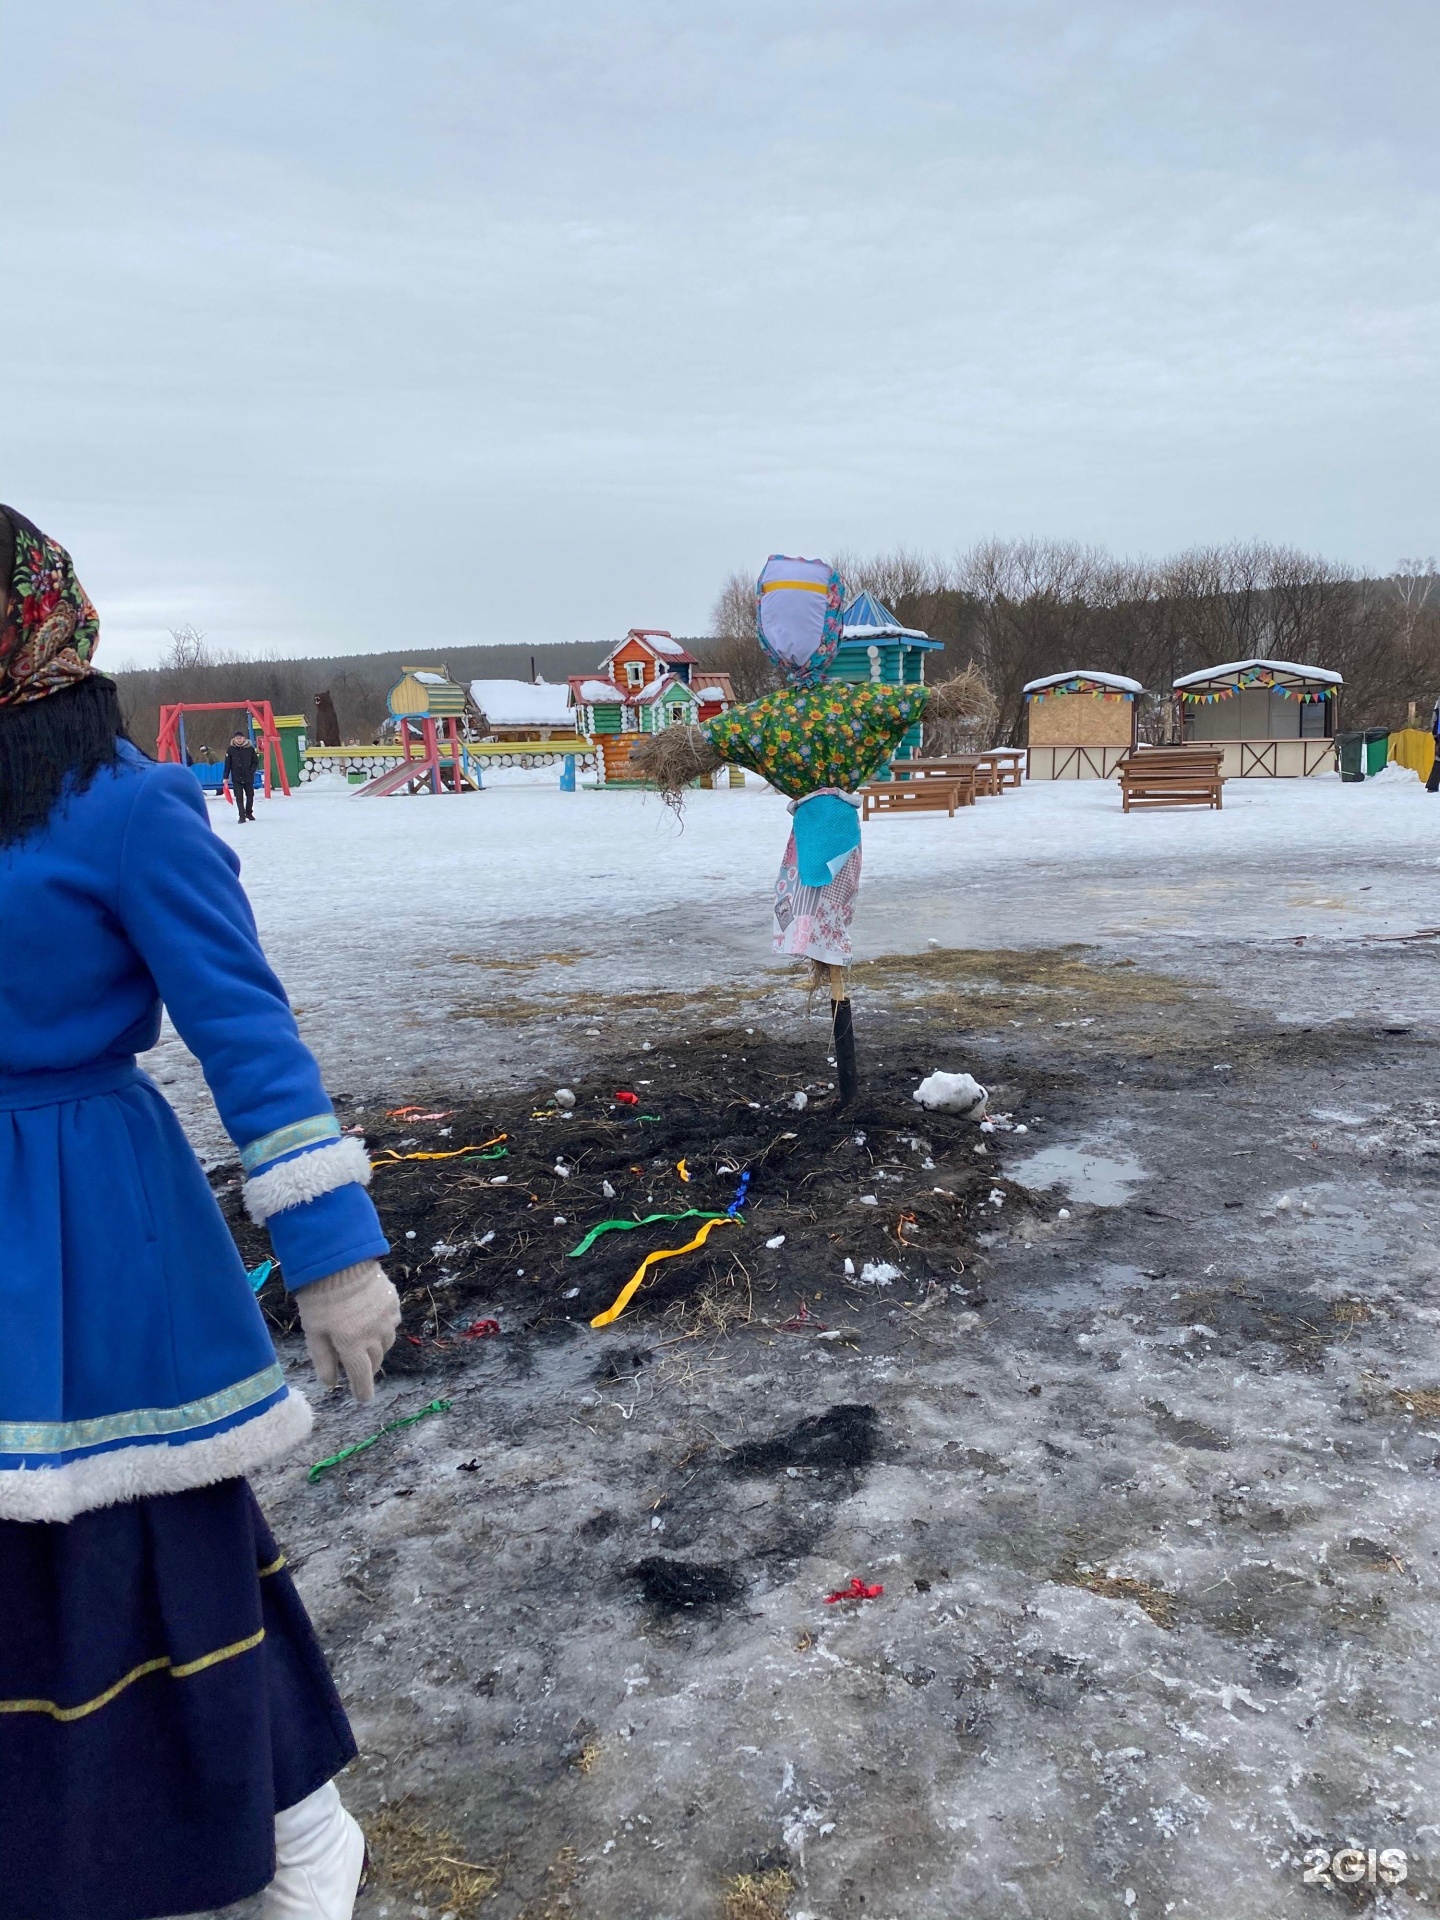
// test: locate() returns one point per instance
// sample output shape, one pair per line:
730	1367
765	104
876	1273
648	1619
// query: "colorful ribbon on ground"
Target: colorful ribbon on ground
394	1426
388	1157
628	1291
628	1226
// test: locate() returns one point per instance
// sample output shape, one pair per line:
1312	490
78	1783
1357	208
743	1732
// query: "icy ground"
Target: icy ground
1154	1512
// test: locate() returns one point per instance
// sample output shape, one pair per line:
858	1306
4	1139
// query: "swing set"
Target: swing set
259	724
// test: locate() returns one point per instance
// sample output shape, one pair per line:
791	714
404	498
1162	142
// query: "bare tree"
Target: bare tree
188	648
733	615
1417	588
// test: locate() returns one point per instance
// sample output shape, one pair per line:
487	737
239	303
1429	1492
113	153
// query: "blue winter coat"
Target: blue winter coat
133	1357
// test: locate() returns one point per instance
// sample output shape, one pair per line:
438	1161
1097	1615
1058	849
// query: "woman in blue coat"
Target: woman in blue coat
168	1728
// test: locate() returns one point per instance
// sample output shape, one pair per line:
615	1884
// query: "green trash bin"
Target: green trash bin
291	728
1377	749
1350	747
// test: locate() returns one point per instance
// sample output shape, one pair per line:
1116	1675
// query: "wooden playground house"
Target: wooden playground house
875	648
260	725
648	682
1270	718
1080	725
430	710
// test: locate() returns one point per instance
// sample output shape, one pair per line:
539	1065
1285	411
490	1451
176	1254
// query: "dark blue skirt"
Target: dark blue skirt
162	1697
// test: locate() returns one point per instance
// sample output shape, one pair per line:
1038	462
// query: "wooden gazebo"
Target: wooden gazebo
1273	719
1080	725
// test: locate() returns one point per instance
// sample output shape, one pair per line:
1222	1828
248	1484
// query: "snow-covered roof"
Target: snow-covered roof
867	619
660	690
657	640
712	693
591	689
1116	680
516	703
1274	666
429	679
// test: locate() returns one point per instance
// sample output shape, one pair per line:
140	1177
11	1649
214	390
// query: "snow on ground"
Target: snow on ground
394	922
1283	857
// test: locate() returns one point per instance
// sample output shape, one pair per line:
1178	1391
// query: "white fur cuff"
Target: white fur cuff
293	1182
135	1473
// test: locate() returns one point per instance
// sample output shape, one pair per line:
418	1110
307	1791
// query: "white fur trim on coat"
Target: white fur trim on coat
136	1472
306	1177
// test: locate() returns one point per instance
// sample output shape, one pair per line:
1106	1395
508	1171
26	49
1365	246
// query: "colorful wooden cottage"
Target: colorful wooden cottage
874	646
1274	720
647	683
1080	725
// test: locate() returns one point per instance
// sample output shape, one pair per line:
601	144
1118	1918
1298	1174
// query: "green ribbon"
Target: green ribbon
628	1226
348	1453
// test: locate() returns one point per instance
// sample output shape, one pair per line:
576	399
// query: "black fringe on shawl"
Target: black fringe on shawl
52	747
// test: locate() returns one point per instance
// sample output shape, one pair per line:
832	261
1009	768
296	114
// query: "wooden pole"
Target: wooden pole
843	1030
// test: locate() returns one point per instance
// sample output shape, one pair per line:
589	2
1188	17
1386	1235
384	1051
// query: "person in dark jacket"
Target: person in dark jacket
169	1730
1432	785
240	764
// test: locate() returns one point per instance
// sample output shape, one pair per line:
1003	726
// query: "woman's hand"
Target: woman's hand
350	1320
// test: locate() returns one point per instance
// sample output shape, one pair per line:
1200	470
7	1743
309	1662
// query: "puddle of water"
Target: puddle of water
1101	1179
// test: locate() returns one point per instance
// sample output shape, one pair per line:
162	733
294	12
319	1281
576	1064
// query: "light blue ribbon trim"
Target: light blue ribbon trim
303	1133
64	1436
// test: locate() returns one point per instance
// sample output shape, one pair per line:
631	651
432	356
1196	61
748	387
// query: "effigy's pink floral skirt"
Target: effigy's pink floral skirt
814	922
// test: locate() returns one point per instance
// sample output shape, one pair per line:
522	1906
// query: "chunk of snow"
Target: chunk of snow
776	1240
952	1093
799	1101
564	1097
878	1273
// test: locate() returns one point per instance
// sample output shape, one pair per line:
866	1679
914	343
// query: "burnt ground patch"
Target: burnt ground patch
884	1185
686	1586
843	1437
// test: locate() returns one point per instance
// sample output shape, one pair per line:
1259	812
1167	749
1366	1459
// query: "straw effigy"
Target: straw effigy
677	757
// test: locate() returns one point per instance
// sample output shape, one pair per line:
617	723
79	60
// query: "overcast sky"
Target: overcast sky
403	322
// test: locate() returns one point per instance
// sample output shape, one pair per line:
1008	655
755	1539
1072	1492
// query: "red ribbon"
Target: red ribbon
481	1330
857	1590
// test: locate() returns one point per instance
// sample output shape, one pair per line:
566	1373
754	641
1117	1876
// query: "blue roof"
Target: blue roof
866	618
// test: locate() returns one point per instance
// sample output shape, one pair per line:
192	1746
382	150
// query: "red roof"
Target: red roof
656	642
599	688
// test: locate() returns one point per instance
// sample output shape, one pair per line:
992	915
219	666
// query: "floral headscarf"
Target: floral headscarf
50	629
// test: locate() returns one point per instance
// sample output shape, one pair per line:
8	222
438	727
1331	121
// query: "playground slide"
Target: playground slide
396	779
393	780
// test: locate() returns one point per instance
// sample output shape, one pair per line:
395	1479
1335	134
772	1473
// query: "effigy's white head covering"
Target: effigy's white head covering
798	614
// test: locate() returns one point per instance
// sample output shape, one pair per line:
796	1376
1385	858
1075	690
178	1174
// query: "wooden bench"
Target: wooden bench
957	766
928	795
1008	763
1171	777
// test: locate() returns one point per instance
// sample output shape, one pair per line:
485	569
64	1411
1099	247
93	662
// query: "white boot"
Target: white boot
319	1858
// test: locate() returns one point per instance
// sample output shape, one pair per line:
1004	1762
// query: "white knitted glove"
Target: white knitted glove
349	1320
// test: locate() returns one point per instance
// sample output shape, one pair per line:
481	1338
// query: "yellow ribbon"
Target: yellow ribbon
389	1157
795	586
628	1291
